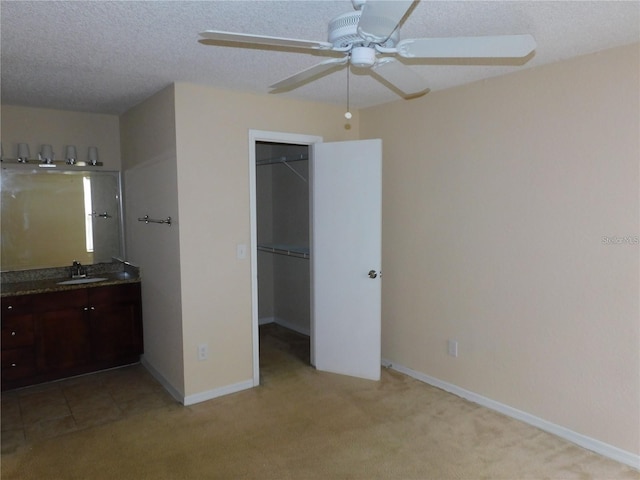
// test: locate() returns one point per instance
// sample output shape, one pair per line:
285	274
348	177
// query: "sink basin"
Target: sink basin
79	281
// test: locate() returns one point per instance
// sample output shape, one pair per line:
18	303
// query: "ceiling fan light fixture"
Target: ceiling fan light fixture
363	57
372	29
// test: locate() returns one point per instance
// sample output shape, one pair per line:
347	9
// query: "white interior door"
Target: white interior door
346	257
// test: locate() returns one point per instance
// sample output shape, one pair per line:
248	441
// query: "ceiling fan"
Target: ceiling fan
369	38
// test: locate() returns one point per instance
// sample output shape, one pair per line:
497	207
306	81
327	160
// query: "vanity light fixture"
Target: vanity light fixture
71	155
23	153
46	154
93	156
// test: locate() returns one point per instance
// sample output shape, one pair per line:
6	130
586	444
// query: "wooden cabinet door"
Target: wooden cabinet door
62	330
114	332
63	340
116	323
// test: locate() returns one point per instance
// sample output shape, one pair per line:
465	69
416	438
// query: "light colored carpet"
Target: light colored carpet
303	424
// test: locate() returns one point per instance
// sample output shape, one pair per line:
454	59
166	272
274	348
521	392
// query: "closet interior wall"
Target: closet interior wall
283	220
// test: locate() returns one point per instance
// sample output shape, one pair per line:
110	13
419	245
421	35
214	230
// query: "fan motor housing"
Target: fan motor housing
343	32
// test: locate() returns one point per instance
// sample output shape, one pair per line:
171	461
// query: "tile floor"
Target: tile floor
56	408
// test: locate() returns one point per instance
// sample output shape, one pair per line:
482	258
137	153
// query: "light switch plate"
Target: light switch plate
453	348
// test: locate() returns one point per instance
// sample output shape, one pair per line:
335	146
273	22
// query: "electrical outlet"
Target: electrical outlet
453	348
203	352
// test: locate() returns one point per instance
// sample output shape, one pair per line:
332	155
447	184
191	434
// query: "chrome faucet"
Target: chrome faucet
77	270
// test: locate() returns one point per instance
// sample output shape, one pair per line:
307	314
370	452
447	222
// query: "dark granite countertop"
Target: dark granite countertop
43	286
47	280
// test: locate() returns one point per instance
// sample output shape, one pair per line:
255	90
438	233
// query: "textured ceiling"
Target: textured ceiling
106	56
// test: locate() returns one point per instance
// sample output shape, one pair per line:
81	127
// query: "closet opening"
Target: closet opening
282	254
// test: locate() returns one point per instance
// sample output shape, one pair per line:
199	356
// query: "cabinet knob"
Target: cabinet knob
13	334
93	308
9	307
14	364
86	308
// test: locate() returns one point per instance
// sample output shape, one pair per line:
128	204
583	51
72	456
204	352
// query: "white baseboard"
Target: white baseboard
179	396
589	443
197	397
217	392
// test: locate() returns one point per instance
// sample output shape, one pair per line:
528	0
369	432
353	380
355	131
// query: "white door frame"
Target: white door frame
263	136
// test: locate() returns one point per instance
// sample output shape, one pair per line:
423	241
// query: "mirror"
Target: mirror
49	218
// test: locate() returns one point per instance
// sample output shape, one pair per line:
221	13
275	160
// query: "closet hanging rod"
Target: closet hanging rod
146	219
285	161
293	158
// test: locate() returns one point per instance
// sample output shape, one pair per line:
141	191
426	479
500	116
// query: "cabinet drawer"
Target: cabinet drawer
69	299
17	331
18	363
127	293
17	305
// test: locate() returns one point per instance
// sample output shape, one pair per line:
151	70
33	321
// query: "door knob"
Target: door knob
372	274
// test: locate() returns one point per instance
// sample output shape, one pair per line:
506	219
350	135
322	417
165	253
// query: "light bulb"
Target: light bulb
347	115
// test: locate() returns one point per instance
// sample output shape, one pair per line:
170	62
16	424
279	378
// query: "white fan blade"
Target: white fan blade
500	46
400	76
380	18
317	70
263	40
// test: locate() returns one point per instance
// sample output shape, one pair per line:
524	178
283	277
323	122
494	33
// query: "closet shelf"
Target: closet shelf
281	249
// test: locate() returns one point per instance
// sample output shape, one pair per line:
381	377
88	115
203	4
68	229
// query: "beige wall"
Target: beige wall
58	128
213	171
150	184
496	199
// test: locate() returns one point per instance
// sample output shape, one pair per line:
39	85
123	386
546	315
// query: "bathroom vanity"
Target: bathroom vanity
52	331
69	304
